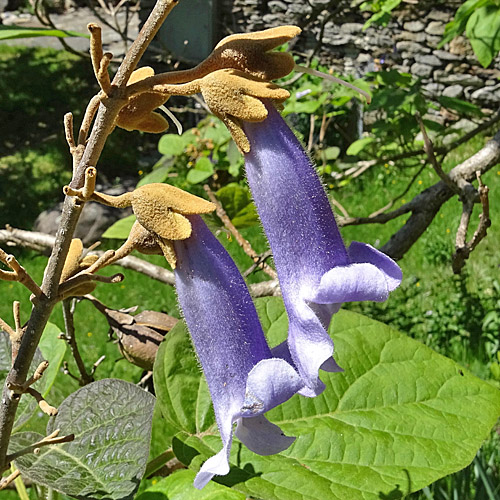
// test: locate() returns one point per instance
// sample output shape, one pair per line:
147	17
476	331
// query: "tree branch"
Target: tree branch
103	126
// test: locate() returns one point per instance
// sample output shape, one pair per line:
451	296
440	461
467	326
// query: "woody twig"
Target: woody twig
46	441
221	213
18	274
463	248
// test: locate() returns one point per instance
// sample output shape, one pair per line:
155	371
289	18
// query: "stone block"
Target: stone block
414	26
457	79
440	15
435	28
411	47
453	91
422	70
429	59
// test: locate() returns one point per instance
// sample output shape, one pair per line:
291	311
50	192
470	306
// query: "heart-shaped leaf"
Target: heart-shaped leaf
399	417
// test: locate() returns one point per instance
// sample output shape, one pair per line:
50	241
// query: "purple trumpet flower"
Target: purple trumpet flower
316	271
244	379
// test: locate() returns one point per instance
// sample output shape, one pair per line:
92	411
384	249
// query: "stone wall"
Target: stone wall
333	32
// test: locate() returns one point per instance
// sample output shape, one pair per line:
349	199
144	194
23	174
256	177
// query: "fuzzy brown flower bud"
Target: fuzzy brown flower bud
139	113
74	264
160	210
250	53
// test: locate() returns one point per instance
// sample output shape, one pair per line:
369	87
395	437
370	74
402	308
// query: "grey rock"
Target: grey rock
453	91
435	28
408	35
464	125
337	40
302	9
461	79
439	15
414	26
277	6
433	89
430	60
487	95
432	41
421	70
352	28
94	220
411	47
445	55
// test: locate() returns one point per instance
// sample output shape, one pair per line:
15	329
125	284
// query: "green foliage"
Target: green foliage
401	413
381	11
202	154
179	486
120	229
38	86
480	19
111	422
182	392
10	32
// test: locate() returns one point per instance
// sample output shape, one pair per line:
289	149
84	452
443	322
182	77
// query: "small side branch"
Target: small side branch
429	150
97	56
46	441
5	481
18	274
70	337
463	248
90	112
221	213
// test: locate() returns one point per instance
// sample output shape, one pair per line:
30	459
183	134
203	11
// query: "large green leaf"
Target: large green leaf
53	350
399	417
181	390
179	486
9	32
111	421
483	31
171	145
159	174
120	229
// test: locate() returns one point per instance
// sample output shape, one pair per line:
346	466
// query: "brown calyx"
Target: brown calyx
233	96
139	113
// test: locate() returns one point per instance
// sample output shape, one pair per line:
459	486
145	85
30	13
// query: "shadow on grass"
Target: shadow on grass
38	86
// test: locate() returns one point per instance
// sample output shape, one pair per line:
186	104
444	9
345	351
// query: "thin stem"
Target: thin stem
88	117
221	213
70	338
334	79
46	441
159	13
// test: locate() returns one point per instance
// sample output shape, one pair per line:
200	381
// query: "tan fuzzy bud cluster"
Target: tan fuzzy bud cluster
160	209
139	113
74	264
234	97
250	53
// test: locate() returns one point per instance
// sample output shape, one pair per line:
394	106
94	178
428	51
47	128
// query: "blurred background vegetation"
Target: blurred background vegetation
458	315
